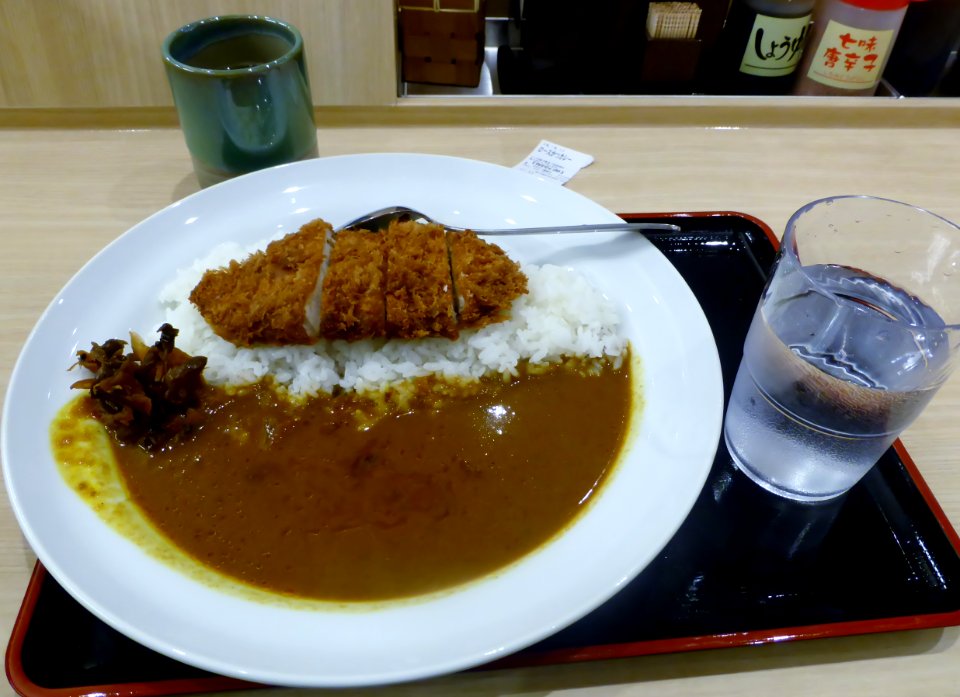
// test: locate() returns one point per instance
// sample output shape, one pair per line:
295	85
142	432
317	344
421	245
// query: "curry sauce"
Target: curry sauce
306	499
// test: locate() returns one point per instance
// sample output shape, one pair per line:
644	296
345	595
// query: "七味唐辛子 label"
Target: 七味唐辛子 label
850	58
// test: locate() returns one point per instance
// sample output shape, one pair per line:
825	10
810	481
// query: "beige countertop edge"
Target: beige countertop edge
826	112
67	193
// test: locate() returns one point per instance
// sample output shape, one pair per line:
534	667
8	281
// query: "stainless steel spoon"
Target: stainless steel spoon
379	220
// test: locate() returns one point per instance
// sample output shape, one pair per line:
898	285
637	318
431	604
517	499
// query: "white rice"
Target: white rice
562	316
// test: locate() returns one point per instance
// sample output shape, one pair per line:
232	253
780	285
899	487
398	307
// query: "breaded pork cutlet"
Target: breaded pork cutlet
485	280
271	297
353	288
419	294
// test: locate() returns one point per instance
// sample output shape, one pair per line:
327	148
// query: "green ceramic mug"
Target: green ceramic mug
241	90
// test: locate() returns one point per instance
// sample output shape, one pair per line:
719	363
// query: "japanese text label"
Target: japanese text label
850	58
775	45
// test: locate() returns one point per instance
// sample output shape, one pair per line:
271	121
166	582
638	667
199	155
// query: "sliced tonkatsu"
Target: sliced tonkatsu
485	280
353	293
419	294
409	281
272	296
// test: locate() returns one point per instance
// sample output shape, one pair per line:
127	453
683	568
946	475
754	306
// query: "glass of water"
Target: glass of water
857	328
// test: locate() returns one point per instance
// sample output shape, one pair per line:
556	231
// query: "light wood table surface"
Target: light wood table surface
64	194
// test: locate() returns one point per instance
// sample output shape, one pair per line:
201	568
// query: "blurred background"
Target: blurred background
95	55
543	47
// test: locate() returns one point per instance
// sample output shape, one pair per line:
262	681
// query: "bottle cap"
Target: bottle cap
879	5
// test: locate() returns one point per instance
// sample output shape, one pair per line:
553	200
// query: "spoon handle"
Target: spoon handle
560	229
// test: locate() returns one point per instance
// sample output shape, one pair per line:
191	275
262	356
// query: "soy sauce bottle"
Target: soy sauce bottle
761	46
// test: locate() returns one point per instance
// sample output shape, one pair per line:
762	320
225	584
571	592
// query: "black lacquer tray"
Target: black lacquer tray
744	568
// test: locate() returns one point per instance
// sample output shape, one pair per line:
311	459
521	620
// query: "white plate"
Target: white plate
639	509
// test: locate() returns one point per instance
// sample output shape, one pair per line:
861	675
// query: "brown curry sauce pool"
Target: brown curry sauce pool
302	500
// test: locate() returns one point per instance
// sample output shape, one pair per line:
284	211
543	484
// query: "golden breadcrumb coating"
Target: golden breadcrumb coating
485	280
264	298
410	281
419	293
352	300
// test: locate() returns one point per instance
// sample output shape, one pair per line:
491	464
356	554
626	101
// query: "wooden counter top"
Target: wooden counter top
64	194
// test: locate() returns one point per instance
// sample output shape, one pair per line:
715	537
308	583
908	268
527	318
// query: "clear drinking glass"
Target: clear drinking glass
857	328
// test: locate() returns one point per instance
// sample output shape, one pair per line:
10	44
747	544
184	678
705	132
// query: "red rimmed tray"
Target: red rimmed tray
745	568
